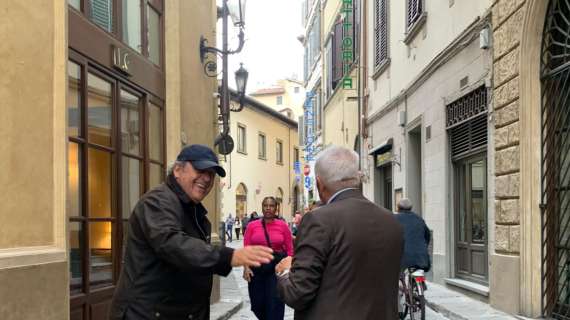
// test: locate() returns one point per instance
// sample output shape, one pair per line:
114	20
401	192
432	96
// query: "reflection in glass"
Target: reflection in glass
99	183
75	3
73	99
75	257
132	24
155	132
99	101
130	128
100	254
102	13
153	35
73	198
478	208
155	175
131	173
125	239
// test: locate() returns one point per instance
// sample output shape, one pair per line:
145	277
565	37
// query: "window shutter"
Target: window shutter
102	14
337	54
414	11
377	45
380	33
467	123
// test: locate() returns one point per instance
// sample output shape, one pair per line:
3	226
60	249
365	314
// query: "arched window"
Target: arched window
241	200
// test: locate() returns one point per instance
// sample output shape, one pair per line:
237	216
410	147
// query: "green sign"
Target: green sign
347	44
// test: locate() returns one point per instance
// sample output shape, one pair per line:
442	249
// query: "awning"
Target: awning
382	147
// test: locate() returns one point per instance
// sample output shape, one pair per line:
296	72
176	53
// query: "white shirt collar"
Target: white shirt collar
339	192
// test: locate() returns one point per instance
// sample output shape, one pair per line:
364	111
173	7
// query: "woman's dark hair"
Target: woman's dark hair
269	198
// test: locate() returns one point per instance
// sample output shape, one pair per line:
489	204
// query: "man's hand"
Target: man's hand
247	274
251	256
284	264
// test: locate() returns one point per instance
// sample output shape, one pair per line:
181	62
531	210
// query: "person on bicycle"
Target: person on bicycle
416	237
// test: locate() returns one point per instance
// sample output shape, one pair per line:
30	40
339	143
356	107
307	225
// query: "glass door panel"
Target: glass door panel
130	123
76	257
131	184
100	254
99	110
99	183
74	99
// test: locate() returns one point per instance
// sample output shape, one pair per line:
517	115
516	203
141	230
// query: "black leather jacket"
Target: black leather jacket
169	262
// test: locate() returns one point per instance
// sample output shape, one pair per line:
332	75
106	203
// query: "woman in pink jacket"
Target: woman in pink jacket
272	232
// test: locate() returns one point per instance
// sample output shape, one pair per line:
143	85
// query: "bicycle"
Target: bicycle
411	299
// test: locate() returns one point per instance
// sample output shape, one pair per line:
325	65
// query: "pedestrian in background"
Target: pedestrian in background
347	252
262	281
237	227
229	227
169	262
416	237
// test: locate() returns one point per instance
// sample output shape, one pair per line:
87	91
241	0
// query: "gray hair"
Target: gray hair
337	168
174	165
405	204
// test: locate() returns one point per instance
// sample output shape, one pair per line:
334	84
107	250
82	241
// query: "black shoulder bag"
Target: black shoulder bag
277	256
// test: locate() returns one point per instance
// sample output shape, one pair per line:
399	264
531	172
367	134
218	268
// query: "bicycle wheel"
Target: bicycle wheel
402	302
418	303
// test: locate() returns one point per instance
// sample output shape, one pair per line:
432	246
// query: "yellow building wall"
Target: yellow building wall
340	118
33	268
191	106
261	177
291	100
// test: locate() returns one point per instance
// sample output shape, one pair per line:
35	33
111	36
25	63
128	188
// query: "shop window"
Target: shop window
105	169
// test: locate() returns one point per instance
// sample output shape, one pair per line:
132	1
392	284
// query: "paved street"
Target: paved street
245	313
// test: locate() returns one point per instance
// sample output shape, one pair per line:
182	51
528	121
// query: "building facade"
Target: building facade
262	163
117	89
467	116
286	96
331	108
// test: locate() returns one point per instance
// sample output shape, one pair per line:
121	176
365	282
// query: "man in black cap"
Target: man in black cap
169	262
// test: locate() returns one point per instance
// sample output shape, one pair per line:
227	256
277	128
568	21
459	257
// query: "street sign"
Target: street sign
308	183
306	170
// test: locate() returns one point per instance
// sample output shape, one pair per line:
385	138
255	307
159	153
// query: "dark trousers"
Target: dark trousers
237	233
265	303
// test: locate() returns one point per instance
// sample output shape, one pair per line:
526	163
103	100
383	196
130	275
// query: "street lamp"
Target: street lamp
241	76
236	9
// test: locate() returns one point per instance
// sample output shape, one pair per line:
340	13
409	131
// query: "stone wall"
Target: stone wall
507	24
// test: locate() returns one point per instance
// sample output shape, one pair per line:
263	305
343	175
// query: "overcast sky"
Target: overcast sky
271	50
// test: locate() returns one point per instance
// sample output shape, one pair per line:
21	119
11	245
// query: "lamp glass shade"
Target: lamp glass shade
241	79
236	9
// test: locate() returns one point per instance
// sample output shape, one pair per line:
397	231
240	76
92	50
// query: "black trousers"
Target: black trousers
237	233
265	303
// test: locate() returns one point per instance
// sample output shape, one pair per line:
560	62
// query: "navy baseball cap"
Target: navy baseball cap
201	157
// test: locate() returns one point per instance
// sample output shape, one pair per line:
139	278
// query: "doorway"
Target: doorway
241	201
383	186
471	219
414	171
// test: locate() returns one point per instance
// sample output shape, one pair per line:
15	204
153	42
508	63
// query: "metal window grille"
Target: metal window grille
467	124
555	133
415	11
380	32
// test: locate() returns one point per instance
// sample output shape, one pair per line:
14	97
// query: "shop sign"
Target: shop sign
347	43
308	183
310	127
121	59
383	158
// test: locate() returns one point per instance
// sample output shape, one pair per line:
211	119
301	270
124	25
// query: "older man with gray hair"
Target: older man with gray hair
347	253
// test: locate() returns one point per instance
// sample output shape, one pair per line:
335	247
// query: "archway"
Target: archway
241	201
530	155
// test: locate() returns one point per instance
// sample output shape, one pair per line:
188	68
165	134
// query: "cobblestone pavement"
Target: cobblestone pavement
245	313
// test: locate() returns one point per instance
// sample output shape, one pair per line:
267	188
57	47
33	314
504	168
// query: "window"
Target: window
262	153
414	12
241	139
75	3
296	154
102	13
153	35
380	33
279	100
296	90
313	43
132	34
279	153
107	156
